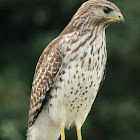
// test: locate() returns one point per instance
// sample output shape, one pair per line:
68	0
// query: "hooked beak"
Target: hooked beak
119	18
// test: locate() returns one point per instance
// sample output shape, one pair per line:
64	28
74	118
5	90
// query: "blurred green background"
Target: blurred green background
26	27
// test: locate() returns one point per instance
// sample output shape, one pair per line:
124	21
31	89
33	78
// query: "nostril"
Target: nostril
120	15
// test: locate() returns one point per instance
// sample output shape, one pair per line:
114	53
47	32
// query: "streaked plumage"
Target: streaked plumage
69	72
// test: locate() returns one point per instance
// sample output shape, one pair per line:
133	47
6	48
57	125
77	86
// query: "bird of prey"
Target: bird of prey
70	71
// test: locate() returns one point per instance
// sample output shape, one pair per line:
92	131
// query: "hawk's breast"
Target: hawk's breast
79	79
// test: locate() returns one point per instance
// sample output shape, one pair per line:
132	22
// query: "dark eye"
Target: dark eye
107	10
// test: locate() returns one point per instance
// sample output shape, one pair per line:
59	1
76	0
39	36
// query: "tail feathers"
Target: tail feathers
43	129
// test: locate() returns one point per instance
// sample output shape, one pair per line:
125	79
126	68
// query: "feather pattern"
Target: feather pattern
46	70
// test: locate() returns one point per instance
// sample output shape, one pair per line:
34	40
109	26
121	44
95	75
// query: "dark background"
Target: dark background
26	27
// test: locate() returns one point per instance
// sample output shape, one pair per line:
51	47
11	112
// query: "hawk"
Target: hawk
70	71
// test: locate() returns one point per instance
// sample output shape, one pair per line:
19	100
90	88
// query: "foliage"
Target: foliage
26	29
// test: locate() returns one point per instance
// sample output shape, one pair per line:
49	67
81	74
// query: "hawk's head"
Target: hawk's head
103	11
93	13
99	12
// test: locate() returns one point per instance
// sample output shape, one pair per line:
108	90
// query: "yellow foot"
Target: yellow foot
62	133
79	134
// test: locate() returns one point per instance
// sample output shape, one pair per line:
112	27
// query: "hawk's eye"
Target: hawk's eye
107	10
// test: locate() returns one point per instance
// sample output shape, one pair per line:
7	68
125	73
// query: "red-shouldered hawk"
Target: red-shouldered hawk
69	72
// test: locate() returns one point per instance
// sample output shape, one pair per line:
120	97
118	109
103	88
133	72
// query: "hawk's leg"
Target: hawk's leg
79	134
62	133
79	122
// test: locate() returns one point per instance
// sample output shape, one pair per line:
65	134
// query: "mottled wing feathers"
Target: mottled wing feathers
46	70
